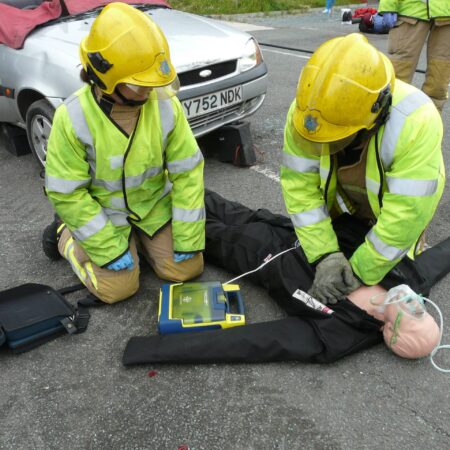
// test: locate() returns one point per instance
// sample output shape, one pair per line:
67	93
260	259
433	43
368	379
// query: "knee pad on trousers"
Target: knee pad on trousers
436	82
182	271
404	69
117	286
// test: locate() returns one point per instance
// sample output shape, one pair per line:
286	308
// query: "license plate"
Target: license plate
206	103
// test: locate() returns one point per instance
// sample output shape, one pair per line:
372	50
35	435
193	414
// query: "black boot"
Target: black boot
50	239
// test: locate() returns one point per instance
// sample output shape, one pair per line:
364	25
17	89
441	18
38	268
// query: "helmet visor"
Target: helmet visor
165	92
305	145
321	149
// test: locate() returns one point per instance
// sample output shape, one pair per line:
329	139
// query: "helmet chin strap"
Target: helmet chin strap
128	102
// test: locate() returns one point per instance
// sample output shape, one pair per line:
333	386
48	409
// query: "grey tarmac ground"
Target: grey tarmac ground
73	393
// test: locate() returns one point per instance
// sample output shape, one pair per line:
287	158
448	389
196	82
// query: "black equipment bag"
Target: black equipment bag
33	314
239	239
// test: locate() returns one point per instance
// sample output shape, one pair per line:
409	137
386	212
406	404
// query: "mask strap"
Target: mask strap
127	101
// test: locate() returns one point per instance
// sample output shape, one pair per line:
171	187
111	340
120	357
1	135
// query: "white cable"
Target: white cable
261	266
438	346
402	299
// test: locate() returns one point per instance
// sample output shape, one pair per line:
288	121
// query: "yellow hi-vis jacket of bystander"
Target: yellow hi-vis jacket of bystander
417	9
102	182
405	178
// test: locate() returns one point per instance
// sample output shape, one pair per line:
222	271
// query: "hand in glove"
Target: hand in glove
382	24
334	279
178	257
124	262
389	20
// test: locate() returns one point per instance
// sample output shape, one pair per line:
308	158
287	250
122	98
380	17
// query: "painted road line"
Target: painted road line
268	173
246	26
286	53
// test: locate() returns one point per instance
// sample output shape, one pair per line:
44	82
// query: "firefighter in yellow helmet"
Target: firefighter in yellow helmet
123	169
359	141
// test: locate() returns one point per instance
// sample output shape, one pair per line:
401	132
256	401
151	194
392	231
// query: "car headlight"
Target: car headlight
251	56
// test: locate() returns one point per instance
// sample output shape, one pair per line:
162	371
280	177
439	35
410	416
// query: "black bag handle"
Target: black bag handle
82	314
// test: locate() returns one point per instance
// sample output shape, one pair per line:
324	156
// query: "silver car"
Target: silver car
222	74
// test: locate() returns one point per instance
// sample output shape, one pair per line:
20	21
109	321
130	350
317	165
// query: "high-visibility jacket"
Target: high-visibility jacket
405	179
102	182
417	9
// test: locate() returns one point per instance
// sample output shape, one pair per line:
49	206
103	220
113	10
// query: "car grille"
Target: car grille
221	114
217	71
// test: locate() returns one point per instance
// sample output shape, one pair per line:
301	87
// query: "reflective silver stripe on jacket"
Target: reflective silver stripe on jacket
388	251
81	128
130	182
64	186
372	186
414	188
111	186
310	217
303	165
137	180
116	162
118	202
167	119
395	123
341	203
188	215
183	165
167	189
93	226
118	218
324	172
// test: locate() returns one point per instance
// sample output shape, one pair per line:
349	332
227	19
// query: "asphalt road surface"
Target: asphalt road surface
73	393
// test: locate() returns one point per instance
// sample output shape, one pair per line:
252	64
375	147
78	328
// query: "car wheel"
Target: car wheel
39	124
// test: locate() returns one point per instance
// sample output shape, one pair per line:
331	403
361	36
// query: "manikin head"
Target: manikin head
409	331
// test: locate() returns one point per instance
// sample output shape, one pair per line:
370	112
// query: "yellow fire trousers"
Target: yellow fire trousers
405	45
113	286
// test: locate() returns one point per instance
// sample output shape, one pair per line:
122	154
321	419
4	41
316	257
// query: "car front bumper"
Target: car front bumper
254	87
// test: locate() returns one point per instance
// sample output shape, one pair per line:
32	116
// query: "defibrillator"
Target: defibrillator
199	306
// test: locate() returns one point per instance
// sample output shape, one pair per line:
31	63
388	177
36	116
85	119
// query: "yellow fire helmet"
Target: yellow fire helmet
125	46
342	89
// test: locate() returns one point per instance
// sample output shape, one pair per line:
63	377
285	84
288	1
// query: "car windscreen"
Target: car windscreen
80	6
94	12
22	4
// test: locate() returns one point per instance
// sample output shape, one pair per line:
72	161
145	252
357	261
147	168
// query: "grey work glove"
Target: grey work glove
334	279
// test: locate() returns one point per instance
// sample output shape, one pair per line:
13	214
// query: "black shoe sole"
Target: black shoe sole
50	242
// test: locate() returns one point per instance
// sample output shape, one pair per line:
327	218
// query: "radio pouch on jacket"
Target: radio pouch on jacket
33	314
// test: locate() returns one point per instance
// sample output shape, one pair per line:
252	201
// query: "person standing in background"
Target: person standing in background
328	7
411	23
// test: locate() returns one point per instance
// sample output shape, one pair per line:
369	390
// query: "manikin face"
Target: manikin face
409	331
409	335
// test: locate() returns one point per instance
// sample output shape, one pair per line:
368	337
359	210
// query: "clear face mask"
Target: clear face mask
409	302
162	92
337	146
313	148
169	91
139	90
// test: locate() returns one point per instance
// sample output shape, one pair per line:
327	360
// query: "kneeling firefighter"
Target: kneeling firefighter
359	141
124	172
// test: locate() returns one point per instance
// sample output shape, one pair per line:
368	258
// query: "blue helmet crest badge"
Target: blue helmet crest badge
164	68
310	123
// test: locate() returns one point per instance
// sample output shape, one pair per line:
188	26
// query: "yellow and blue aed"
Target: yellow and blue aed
199	306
